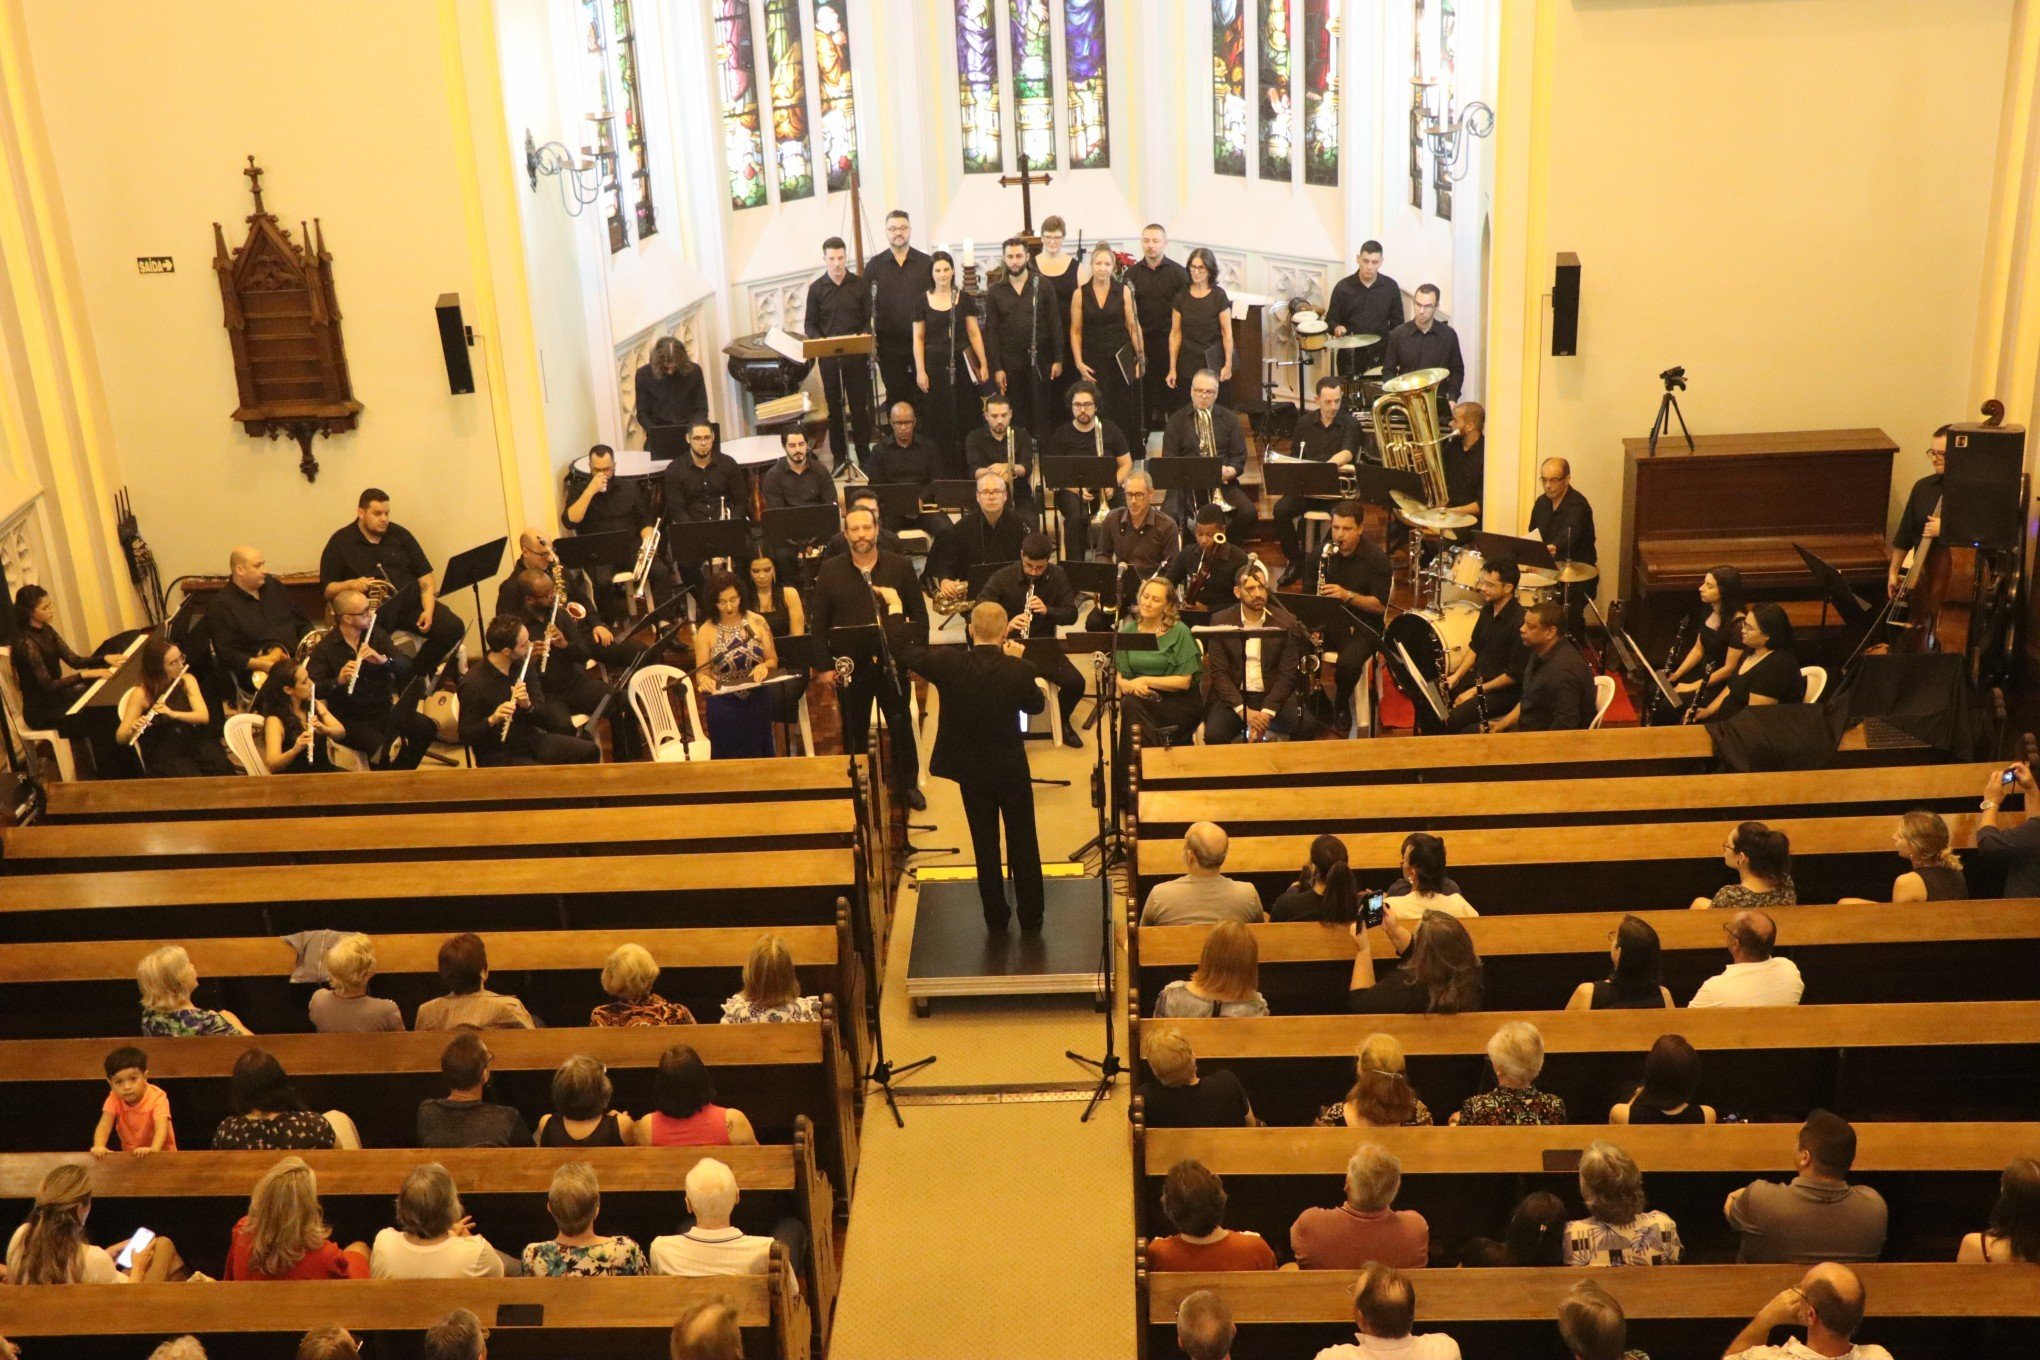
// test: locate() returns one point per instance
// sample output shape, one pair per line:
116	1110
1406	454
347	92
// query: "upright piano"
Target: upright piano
1744	500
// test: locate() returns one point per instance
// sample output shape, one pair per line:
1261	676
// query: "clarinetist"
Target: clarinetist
508	721
1357	574
1037	597
1490	673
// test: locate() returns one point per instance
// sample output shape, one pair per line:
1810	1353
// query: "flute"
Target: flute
366	634
312	721
149	713
522	670
550	619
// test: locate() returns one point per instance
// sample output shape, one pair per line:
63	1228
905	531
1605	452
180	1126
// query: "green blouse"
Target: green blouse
1176	654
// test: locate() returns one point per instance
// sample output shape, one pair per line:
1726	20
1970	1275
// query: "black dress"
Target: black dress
1105	335
1776	676
1203	333
40	656
1651	1114
953	408
318	760
786	697
1606	998
171	749
1064	286
604	1134
1943	884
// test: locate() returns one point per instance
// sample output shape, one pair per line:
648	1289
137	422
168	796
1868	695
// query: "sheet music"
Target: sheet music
754	684
784	345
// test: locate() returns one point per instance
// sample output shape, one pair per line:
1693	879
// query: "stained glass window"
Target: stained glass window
1229	87
787	80
601	143
832	77
977	81
631	102
743	143
1320	92
1276	133
1084	68
1033	84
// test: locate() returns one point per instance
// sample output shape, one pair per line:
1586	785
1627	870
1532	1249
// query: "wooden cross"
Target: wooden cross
1023	179
254	174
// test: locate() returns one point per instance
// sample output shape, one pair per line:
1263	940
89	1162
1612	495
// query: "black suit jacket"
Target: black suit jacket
984	692
1225	660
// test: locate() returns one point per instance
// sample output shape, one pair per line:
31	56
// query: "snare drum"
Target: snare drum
1459	582
1536	586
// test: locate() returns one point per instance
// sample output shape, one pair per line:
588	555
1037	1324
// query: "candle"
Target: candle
969	252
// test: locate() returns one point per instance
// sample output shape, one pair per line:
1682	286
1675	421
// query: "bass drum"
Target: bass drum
1433	638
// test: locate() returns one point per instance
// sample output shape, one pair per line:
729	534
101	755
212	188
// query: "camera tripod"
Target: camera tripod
1668	407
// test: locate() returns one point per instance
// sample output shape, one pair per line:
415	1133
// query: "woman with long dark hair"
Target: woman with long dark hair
2014	1231
1323	890
295	740
734	647
784	613
1768	672
946	335
270	1116
1762	860
164	718
40	655
1440	971
1634	981
1717	642
1671	1074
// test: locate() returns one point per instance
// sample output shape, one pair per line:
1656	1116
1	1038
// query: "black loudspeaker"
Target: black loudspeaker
453	338
1565	305
1985	466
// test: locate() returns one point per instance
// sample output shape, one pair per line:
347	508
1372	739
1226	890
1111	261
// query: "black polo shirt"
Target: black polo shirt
1018	324
1410	349
1317	441
900	287
1363	309
694	492
349	554
783	488
1365	572
1498	642
1154	293
1568	526
243	625
623	506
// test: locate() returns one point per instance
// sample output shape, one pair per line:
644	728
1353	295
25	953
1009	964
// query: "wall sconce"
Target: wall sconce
580	180
1448	141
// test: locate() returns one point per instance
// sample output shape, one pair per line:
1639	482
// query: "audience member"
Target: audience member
1755	976
581	1116
1936	873
1193	1200
1423	867
1671	1074
462	1117
1202	896
577	1249
1516	1052
434	1239
284	1234
1762	859
178	1348
708	1331
1382	1097
1818	1215
1535	1236
1227	981
711	1245
468	1003
1440	971
2014	1231
1618	1230
684	1112
457	1336
51	1247
2017	848
1591	1324
1634	981
167	981
269	1116
1175	1097
1365	1228
1323	890
1385	1306
629	976
771	992
1204	1327
329	1343
1828	1302
135	1108
343	1005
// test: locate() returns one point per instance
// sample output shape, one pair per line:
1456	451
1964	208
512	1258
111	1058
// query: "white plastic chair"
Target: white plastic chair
243	738
10	692
1816	683
651	698
1604	695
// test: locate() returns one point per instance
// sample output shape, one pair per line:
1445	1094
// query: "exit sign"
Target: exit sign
155	264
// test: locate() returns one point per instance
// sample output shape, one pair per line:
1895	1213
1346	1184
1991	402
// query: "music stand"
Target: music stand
1379	486
1532	553
586	552
802	526
983	572
1300	477
467	571
862	345
668	442
1835	588
1619	641
1419	684
1178	473
704	540
1083	473
958	494
900	501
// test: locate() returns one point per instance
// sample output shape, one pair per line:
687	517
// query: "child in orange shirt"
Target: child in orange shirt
139	1110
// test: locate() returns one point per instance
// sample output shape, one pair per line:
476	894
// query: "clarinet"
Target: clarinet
1672	659
1325	560
1480	706
1027	614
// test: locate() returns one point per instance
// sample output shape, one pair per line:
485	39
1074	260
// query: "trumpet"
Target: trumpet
522	670
648	552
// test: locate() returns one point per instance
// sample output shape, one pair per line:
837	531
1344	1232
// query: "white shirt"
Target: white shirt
396	1257
1428	1346
1772	982
96	1268
1795	1349
1412	906
1251	680
711	1251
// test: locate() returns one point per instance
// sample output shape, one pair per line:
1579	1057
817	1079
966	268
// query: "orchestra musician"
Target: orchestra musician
671	391
296	737
1002	446
1426	342
1038	599
1465	460
1353	571
839	542
1489	677
1205	570
1253	685
1204	429
707	484
1024	336
505	716
40	655
253	620
1140	538
1326	435
1768	672
379	557
164	717
1158	690
562	649
1087	435
946	326
535	553
1562	518
1106	338
359	675
1365	302
1155	280
607	505
991	532
798	478
838	303
1558	685
732	647
849	592
1200	327
1718	649
1921	518
785	614
904	458
898	277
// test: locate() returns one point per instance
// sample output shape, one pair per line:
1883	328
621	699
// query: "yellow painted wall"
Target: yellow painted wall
1788	198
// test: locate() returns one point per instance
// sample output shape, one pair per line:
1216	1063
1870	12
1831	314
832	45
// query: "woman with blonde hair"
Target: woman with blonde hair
1936	873
577	1249
771	993
1227	981
284	1235
1382	1097
630	975
167	980
1174	1096
343	1005
51	1247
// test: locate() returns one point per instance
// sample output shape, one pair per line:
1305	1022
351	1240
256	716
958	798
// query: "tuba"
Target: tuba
1406	428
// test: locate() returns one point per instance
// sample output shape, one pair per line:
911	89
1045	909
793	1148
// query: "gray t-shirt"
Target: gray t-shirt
444	1123
333	1014
1805	1222
1188	901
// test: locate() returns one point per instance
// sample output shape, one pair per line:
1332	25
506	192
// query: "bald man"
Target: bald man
535	553
1203	895
1828	1302
1204	1327
358	648
980	743
1563	519
254	622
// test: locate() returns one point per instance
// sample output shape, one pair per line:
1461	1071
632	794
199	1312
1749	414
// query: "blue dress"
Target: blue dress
739	725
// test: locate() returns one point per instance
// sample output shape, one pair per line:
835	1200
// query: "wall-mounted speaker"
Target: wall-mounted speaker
1985	464
454	340
1565	305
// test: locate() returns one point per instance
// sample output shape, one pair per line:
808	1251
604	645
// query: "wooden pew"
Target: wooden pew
1423	760
774	1073
526	1317
1675	1312
1946	1061
1858	953
1515	869
195	1197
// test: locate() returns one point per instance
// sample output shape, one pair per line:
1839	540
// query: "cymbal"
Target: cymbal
1438	519
1572	573
1353	341
1532	576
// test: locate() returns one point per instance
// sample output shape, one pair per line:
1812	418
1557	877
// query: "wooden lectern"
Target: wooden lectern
839	346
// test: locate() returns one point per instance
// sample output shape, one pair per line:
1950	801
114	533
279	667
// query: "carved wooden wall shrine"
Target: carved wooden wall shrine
284	322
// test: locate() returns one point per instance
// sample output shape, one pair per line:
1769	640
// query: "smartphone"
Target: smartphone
139	1242
2009	778
1373	909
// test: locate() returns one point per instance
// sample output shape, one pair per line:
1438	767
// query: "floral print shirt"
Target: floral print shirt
738	1010
616	1256
650	1009
1512	1105
191	1022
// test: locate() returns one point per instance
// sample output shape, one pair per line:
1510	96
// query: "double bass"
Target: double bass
1933	609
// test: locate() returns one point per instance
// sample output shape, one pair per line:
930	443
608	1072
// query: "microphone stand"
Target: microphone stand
1111	845
882	1072
890	674
624	673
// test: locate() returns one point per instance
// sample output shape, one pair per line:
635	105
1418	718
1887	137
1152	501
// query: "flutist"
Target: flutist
505	716
298	728
356	667
164	717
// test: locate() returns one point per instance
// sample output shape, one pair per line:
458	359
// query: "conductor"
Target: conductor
979	744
